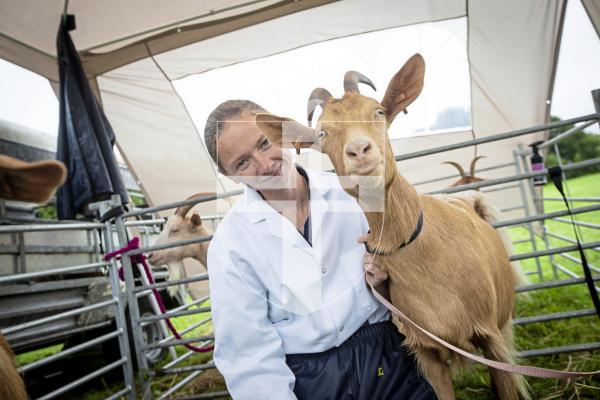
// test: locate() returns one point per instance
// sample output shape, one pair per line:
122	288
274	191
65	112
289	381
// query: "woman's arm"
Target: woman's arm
248	350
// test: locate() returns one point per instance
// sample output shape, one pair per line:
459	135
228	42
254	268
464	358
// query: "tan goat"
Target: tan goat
11	383
181	227
455	279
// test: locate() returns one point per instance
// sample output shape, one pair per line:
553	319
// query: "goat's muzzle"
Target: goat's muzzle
358	149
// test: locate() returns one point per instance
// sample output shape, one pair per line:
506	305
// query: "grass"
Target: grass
474	384
32	356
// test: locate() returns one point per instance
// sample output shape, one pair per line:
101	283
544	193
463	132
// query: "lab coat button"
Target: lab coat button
324	270
342	328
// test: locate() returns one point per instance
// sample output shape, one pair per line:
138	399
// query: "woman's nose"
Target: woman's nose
265	166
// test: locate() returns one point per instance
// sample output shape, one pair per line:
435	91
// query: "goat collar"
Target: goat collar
414	235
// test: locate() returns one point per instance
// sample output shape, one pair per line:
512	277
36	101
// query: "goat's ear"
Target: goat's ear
286	133
404	87
196	220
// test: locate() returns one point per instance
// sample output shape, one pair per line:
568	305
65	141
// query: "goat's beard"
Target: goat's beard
368	190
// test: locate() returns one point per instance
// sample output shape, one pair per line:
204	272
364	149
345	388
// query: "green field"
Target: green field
474	384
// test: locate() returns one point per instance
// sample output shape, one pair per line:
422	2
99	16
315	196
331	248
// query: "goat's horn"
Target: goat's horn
353	78
183	210
457	166
473	164
318	97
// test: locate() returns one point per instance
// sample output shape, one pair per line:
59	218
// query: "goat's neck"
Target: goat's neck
200	252
398	221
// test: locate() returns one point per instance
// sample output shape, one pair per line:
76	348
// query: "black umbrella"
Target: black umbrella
85	137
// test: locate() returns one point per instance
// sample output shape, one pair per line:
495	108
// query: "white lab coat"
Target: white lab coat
273	294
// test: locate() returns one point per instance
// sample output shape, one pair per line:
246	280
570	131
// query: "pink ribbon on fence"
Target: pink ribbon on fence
513	368
141	258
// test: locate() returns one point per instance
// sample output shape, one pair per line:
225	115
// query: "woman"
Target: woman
292	315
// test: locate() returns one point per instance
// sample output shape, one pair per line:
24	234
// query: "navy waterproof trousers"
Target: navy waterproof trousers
371	365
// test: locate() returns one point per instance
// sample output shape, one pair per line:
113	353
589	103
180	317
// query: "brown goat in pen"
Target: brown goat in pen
11	383
454	279
464	178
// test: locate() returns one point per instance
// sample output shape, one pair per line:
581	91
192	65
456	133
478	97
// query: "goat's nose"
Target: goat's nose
358	148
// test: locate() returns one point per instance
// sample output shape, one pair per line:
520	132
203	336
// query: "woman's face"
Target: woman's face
247	156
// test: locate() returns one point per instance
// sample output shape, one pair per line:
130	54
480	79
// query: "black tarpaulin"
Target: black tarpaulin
85	137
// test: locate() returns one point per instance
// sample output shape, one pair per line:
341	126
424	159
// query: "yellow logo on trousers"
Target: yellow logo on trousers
379	371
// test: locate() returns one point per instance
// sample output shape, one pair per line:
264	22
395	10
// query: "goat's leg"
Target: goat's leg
437	373
506	384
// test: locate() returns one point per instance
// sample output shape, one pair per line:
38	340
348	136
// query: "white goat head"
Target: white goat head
179	226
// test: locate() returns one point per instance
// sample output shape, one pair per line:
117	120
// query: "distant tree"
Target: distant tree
452	117
577	147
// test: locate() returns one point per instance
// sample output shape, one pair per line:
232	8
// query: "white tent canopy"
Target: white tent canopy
133	51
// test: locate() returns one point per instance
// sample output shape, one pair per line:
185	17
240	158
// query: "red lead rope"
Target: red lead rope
515	369
141	258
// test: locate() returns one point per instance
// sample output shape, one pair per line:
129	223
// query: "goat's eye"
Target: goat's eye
380	112
321	134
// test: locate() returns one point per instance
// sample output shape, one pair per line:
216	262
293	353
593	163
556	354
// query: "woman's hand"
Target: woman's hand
374	273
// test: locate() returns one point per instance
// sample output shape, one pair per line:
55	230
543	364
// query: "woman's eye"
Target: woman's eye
266	143
321	134
380	112
241	165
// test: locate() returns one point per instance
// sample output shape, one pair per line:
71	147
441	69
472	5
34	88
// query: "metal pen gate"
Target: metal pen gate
56	304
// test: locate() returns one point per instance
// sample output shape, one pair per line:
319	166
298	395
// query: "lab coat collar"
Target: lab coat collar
258	210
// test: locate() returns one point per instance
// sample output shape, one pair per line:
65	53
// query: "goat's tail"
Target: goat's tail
490	213
11	383
176	272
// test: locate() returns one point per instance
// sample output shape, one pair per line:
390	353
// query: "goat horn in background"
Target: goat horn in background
473	164
457	166
353	78
183	210
318	97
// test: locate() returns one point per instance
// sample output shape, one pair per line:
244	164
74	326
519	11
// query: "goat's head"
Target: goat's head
352	130
465	178
179	226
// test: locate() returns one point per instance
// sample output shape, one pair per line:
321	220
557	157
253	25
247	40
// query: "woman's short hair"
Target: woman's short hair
226	111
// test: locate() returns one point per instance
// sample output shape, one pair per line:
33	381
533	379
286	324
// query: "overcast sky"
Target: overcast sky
27	99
